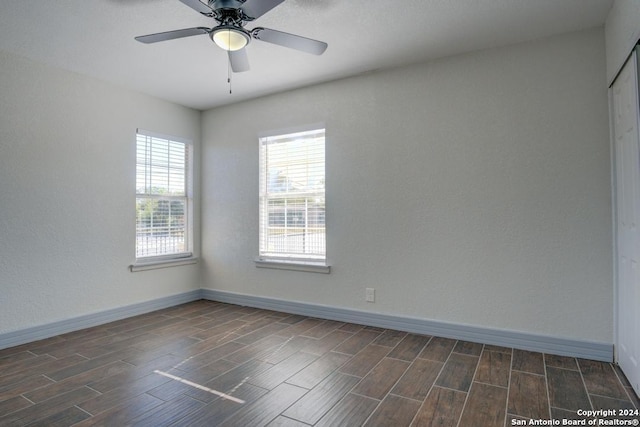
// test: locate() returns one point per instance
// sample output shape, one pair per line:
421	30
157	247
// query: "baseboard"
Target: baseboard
36	333
506	338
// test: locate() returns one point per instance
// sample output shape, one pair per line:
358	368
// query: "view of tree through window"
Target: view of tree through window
292	195
161	196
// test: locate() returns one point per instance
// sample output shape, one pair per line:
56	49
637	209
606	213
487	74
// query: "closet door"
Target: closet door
624	96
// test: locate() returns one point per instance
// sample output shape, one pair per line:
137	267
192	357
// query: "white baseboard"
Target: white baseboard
22	336
521	340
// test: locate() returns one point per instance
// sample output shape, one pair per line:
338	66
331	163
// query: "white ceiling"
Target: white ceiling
96	38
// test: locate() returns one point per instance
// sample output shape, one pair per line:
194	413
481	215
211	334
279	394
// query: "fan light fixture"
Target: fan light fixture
229	38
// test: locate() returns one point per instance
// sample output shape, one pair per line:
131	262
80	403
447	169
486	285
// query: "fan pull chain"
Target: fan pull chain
229	64
229	76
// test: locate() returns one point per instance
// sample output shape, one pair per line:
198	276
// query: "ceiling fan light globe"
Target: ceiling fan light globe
230	39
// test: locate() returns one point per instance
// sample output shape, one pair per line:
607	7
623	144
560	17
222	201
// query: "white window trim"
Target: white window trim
152	263
294	265
182	258
291	263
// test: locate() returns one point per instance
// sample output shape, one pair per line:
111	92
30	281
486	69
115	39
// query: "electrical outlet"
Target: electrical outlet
370	295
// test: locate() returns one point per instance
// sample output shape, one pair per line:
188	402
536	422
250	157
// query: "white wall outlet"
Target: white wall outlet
370	295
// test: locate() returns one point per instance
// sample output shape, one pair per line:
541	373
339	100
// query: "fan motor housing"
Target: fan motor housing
228	12
225	4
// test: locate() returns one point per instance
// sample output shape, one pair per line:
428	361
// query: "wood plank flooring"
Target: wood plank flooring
213	364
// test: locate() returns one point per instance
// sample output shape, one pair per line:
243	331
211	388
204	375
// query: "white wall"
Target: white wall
473	189
67	194
622	32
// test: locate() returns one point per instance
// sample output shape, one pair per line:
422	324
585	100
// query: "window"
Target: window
163	197
292	197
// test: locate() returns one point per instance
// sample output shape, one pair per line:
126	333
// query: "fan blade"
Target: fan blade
170	35
256	8
239	60
292	41
198	6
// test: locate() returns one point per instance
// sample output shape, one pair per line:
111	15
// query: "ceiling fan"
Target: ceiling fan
230	34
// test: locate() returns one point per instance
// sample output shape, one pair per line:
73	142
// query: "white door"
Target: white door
624	94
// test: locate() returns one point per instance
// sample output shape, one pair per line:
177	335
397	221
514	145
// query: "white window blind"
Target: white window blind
162	196
292	196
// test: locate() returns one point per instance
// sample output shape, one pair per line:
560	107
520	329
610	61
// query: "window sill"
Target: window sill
164	263
309	267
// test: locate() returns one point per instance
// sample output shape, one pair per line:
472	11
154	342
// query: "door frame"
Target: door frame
635	53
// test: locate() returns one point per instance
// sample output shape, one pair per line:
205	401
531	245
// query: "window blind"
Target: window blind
161	196
292	196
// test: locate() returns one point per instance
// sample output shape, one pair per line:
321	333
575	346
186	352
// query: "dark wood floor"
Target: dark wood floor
212	364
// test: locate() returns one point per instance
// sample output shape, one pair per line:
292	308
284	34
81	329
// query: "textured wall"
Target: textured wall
473	189
67	194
